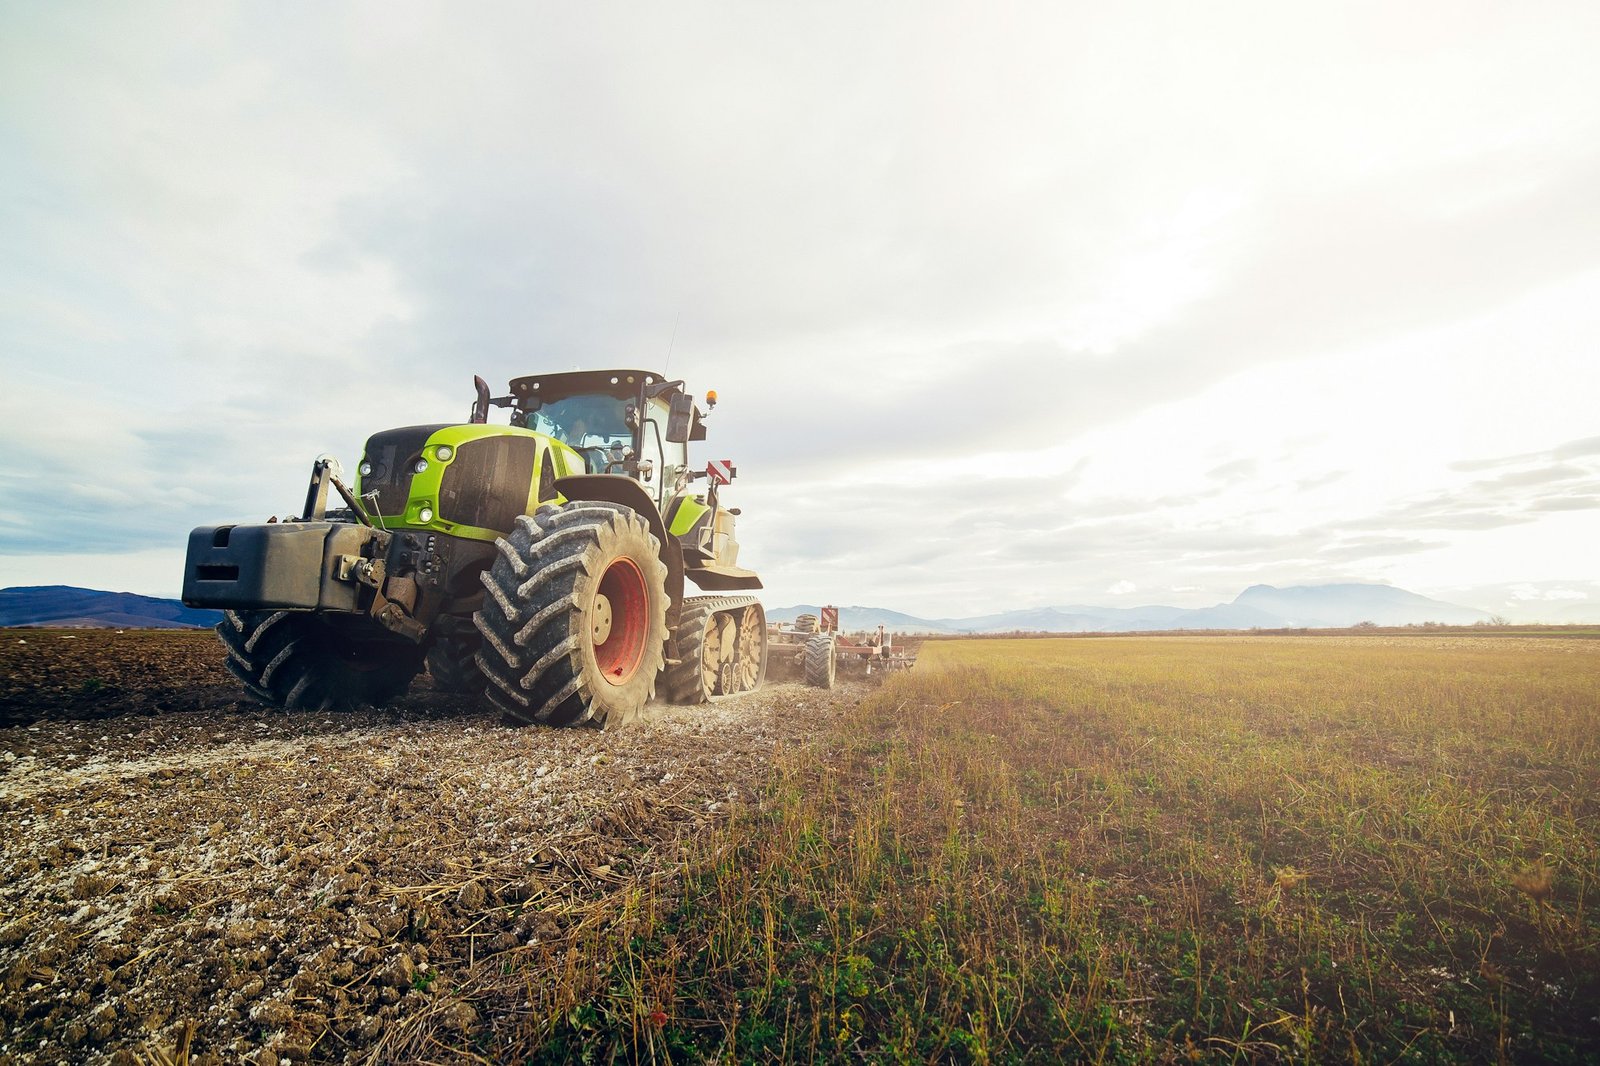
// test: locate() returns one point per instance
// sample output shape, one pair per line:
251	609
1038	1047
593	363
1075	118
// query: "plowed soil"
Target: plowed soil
186	873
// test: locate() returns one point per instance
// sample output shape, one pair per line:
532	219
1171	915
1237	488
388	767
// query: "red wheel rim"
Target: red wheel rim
619	655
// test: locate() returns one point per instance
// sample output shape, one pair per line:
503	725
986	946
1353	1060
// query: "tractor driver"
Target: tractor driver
577	432
589	445
590	421
591	426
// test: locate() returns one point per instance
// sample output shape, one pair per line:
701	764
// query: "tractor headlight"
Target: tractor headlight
425	515
365	469
419	466
444	453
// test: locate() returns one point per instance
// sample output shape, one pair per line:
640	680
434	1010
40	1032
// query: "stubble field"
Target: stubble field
1171	849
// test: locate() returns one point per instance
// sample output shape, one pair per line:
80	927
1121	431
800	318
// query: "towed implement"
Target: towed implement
543	563
807	648
814	649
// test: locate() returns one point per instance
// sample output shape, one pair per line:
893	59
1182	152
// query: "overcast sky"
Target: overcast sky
1007	305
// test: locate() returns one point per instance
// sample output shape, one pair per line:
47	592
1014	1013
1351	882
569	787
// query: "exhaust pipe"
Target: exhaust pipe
480	406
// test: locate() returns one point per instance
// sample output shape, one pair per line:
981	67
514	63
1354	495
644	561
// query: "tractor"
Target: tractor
542	563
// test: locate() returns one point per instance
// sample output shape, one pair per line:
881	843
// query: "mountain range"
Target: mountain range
75	608
1257	607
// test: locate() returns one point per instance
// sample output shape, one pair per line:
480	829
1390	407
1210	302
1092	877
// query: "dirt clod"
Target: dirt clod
472	896
458	1017
396	973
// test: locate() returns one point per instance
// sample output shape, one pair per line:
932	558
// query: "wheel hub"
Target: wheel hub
619	621
600	618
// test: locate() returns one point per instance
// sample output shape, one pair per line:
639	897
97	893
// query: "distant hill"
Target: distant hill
863	618
75	608
1345	605
1257	607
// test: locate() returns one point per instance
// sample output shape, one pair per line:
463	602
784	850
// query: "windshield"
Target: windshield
595	421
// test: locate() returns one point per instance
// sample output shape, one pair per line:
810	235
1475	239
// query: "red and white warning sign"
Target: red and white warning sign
720	470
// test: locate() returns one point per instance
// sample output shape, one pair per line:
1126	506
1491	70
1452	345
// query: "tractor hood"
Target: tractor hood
468	480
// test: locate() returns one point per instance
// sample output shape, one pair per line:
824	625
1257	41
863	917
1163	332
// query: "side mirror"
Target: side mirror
681	420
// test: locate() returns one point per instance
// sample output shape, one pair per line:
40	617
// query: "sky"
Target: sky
1007	305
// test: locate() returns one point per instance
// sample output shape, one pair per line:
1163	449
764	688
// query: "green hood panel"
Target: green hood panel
473	482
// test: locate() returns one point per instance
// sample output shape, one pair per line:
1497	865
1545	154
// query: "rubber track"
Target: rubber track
681	682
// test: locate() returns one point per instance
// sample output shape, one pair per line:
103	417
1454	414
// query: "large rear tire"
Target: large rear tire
300	662
574	623
820	661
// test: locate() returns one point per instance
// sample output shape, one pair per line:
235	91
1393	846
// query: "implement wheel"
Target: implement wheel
300	662
820	661
574	623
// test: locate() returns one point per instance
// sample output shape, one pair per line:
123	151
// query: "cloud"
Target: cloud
1237	470
1317	273
1366	548
1440	511
1540	476
1566	503
1510	497
968	286
1533	592
1575	449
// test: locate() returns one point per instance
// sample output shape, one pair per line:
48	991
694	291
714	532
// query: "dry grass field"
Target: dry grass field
1248	848
1213	849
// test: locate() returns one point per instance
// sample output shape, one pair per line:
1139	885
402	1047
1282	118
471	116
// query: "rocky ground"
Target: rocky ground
187	875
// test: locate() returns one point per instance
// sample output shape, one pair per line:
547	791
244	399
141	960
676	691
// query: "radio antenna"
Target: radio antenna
671	343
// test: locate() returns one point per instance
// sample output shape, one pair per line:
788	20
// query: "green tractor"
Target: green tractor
541	563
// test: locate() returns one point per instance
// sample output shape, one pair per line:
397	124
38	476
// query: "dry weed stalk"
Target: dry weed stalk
162	1056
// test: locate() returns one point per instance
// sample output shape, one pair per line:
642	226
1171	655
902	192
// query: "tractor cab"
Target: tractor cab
634	423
